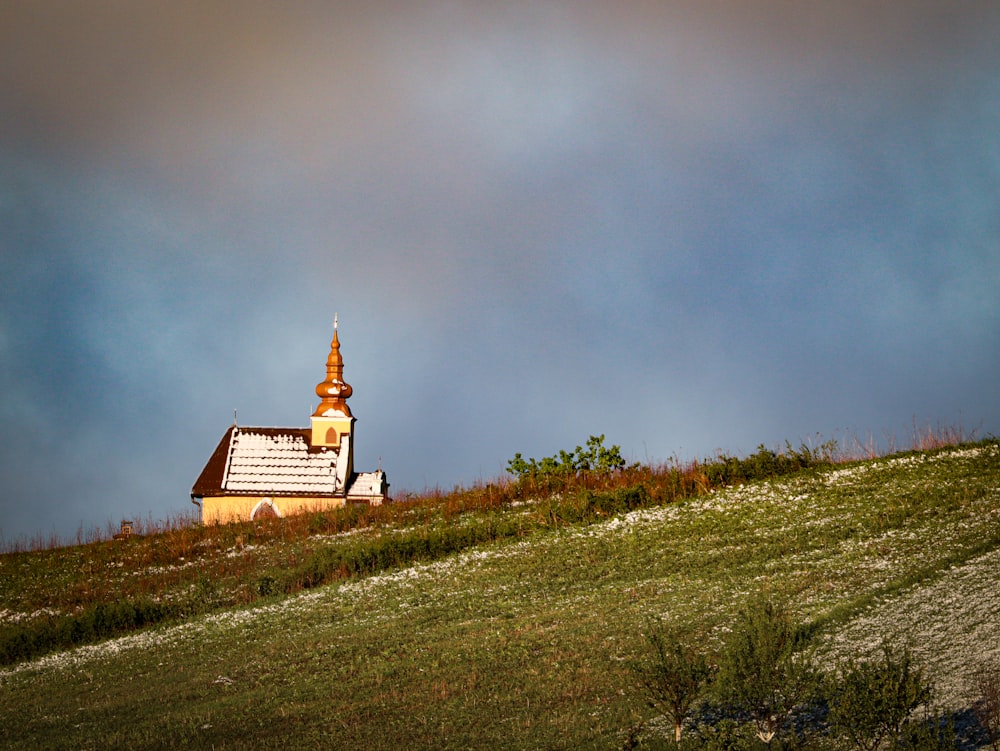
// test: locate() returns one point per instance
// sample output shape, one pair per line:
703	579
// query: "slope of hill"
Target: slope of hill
525	642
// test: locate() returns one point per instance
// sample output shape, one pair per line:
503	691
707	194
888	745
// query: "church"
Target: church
261	472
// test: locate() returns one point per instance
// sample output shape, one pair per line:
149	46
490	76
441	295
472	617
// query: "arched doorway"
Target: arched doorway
265	510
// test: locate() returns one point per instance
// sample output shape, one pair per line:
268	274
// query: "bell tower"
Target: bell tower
332	420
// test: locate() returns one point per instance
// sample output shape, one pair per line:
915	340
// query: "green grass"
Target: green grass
69	596
523	638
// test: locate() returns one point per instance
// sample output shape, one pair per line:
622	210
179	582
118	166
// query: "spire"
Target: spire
333	392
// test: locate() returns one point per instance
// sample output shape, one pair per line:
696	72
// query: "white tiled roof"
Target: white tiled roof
272	463
368	484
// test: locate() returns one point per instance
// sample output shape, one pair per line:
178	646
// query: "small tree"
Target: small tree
675	676
987	709
763	672
871	701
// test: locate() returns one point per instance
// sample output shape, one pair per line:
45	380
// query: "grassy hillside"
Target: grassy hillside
523	638
65	596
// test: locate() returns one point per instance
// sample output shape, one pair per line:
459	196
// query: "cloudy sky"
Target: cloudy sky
689	225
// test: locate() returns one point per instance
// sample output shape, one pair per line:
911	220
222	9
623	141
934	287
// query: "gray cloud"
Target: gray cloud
686	225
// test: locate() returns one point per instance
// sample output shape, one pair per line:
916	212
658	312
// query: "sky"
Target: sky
689	225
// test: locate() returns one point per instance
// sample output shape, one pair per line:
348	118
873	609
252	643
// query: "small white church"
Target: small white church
261	472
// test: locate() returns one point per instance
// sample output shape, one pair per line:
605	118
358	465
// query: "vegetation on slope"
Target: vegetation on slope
69	596
526	641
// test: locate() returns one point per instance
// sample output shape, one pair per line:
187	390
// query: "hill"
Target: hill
523	638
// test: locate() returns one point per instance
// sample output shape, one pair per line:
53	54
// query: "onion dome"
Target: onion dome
333	392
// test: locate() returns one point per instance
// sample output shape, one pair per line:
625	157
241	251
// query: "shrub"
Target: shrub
675	676
928	734
764	464
871	701
594	458
987	709
763	672
267	586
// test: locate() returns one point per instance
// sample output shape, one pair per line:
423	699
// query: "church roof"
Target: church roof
272	461
368	485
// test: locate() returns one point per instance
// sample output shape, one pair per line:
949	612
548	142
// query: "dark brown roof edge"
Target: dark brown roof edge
210	479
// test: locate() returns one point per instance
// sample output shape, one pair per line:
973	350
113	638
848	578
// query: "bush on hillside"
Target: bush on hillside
675	677
987	709
765	463
768	696
871	702
764	673
594	458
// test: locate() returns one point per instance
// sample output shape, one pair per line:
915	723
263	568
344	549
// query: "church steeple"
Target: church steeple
333	392
332	418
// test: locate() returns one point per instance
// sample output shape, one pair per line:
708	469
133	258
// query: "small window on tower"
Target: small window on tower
331	435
